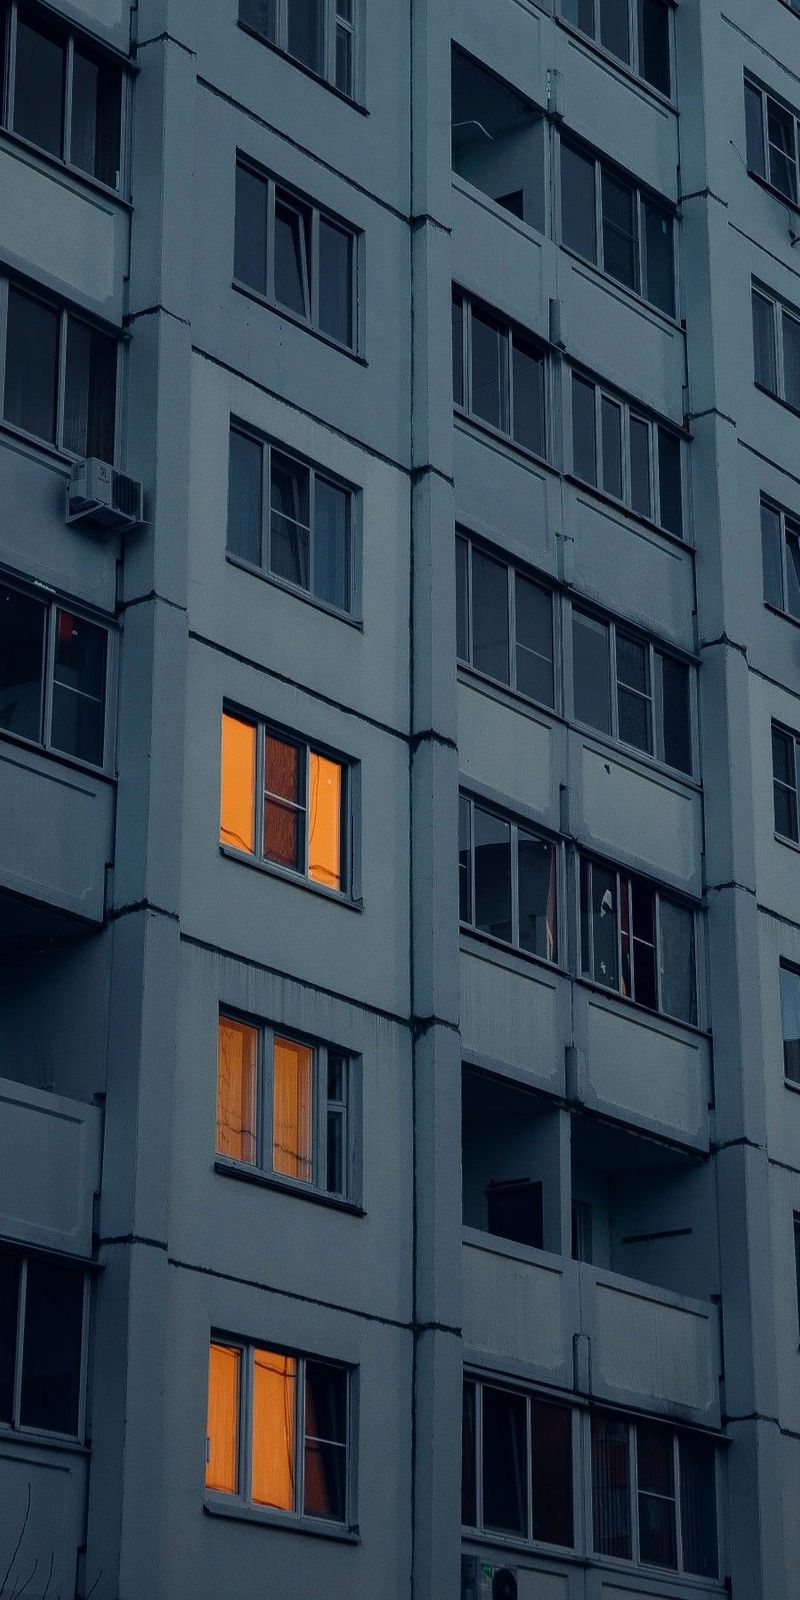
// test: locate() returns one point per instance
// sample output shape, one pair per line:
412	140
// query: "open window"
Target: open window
510	1162
498	140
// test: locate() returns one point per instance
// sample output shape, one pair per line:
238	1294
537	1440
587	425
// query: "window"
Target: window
320	34
60	380
637	940
284	1105
626	454
796	1220
626	232
498	374
516	1465
627	688
53	670
61	92
278	1427
784	782
780	550
285	802
41	1344
292	520
790	1021
636	31
507	880
299	258
498	143
771	134
504	622
649	1482
776	348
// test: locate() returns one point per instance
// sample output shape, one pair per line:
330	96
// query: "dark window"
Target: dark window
504	623
784	782
634	692
490	616
584	429
261	16
508	880
514	1211
659	257
640	459
655	1471
505	1461
790	331
676	716
34	374
79	680
52	676
551	1427
525	1441
645	475
698	1498
578	223
637	940
635	31
245	499
614	27
90	391
608	220
790	1021
83	126
458	350
469	1482
9	1311
295	256
31	365
591	685
304	39
766	370
771	131
22	640
489	370
96	106
671	1468
653	40
620	258
464	859
669	482
776	347
796	1221
492	850
611	1488
502	382
40	1384
611	431
325	1465
320	34
39	81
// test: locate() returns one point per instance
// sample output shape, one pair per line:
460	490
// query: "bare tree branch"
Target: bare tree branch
31	1575
90	1592
49	1576
18	1543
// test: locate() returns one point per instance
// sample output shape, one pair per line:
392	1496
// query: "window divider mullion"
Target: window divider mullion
300	1436
61	375
311	252
657	949
511	604
319	1111
246	1419
466	350
470	553
598	435
514	864
600	253
312	521
305	806
633	1455
478	1453
612	651
259	819
66	127
18	1354
619	877
529	1466
269	287
83	1365
266	507
48	675
473	908
266	1113
676	1489
9	66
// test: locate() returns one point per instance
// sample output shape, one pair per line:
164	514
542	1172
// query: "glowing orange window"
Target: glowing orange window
292	1138
325	820
222	1431
238	785
274	1409
237	1067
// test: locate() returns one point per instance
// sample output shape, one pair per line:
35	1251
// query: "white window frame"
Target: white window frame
65	313
584	858
655	659
508	329
641	196
630	411
633	64
793	739
635	1559
52	604
779	309
767	96
332	21
516	825
513	571
482	1381
788	528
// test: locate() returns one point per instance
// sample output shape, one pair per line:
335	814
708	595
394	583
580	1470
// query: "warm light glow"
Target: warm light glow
237	805
237	1061
293	1066
274	1382
325	820
222	1442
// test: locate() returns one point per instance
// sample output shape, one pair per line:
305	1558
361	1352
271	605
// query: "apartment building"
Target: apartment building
400	870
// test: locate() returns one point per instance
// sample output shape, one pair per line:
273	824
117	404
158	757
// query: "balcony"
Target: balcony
50	1170
56	841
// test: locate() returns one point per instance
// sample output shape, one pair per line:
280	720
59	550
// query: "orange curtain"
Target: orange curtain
325	820
274	1384
222	1443
237	1058
238	786
292	1144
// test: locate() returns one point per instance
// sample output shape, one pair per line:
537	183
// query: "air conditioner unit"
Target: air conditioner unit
106	498
481	1580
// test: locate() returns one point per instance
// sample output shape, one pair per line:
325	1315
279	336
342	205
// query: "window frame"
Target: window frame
631	66
786	965
660	894
788	529
677	1434
52	603
514	570
242	1497
481	1381
18	1429
793	739
516	825
507	328
280	193
631	412
332	22
656	654
261	1167
768	97
72	36
642	196
267	443
779	309
65	313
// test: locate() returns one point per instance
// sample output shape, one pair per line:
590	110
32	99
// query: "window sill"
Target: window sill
778	398
664	318
791	1083
595	48
649	763
228	1168
63	760
219	1507
778	611
300	594
631	516
272	870
502	948
777	194
298	322
644	1012
31	1437
486	430
478	197
308	72
57	167
782	838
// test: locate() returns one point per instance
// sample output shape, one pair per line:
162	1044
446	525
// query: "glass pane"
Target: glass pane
697	1458
469	1497
676	714
584	457
290	534
657	1540
619	230
633	692
462	599
250	244
489	370
534	641
335	282
492	852
552	1473
611	1490
505	1465
237	1067
79	682
22	622
611	419
771	556
245	495
669	482
614	27
514	1211
325	1476
791	361
291	257
764	343
528	396
96	114
654	43
274	1389
677	961
305	32
604	925
490	616
9	1296
336	1132
793	569
283	834
238	784
261	16
537	896
51	1363
458	350
640	467
4	16
781	149
754	129
344	60
577	202
331	575
785	812
790	1021
90	391
591	681
31	365
325	788
579	12
292	1111
222	1428
783	757
655	1467
39	84
464	860
659	262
